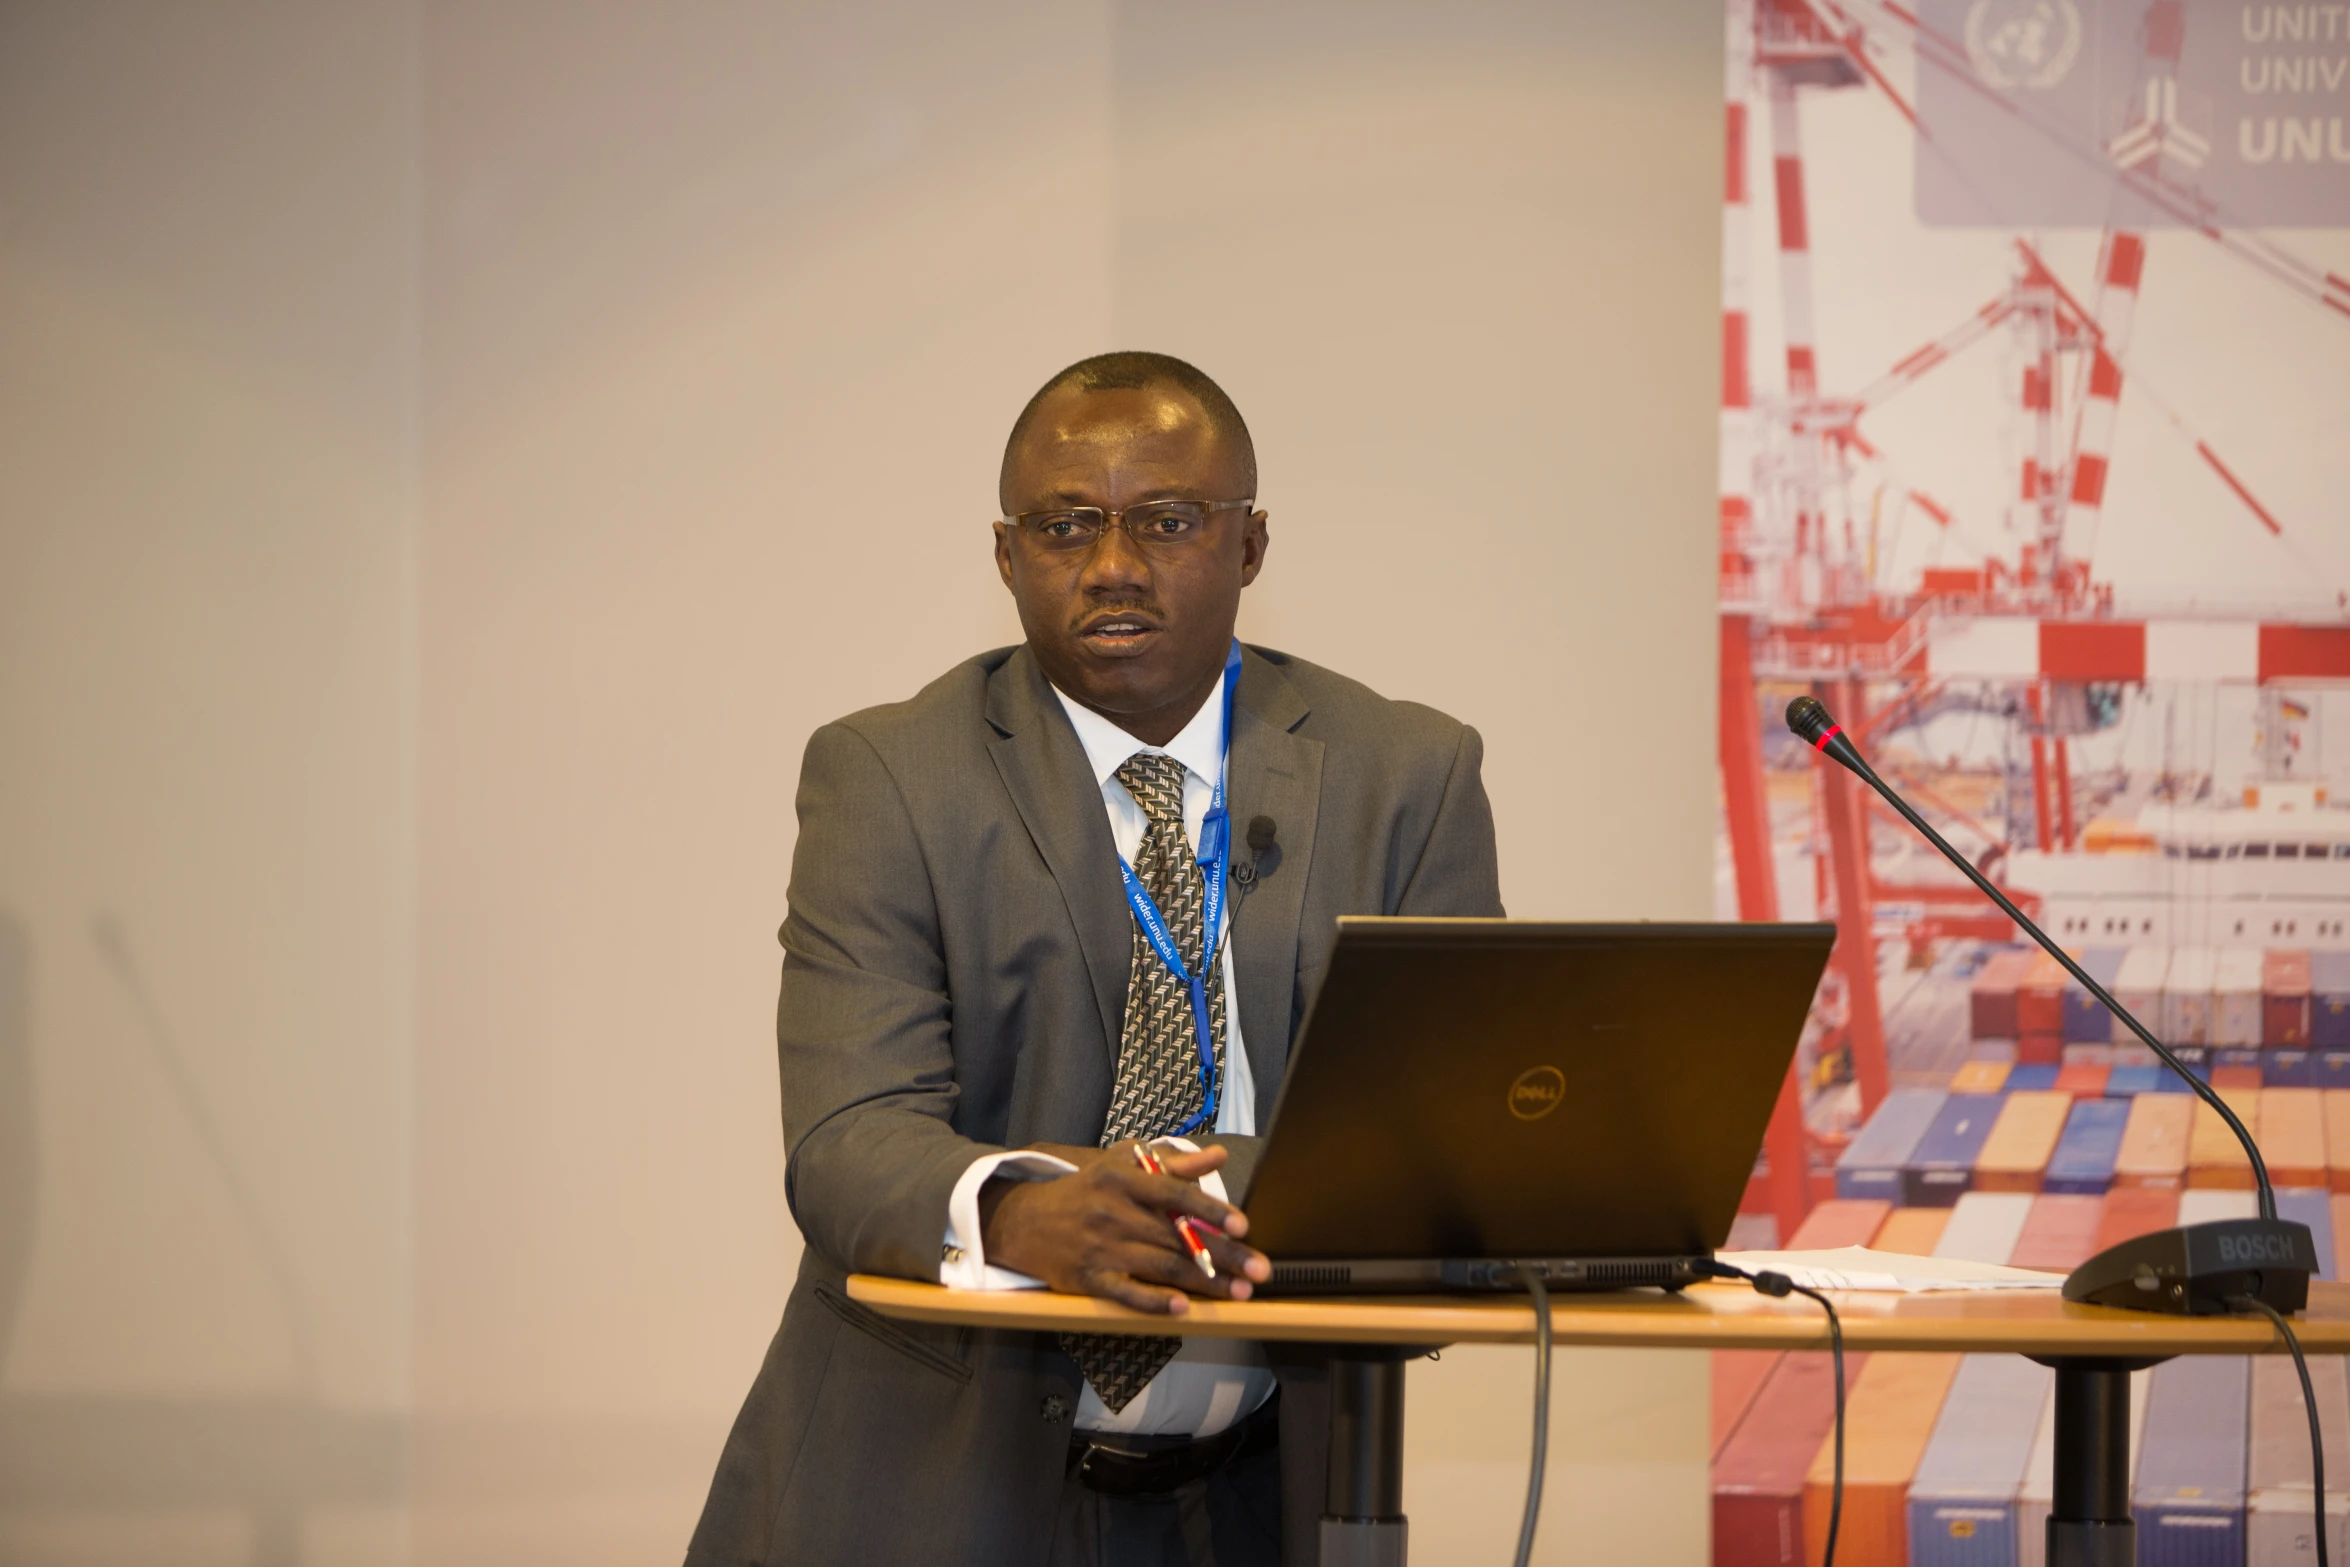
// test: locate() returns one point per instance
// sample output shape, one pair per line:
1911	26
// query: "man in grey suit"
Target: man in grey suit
1013	950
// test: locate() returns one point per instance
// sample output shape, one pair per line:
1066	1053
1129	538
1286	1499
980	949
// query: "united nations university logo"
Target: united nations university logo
2023	43
1537	1092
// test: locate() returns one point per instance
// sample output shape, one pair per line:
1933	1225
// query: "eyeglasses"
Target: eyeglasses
1160	526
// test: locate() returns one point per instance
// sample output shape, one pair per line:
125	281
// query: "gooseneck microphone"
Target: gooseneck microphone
2190	1270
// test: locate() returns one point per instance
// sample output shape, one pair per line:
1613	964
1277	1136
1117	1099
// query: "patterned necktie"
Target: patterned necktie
1158	1086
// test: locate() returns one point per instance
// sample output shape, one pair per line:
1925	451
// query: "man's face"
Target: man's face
1137	634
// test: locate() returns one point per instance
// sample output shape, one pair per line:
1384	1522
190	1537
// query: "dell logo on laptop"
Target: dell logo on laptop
1537	1092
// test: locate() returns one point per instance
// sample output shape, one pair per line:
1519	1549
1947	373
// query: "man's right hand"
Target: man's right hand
1106	1230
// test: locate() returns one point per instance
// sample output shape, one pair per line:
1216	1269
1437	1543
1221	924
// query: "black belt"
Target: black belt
1161	1465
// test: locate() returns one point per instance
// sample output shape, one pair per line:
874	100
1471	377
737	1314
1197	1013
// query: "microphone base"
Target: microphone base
2193	1269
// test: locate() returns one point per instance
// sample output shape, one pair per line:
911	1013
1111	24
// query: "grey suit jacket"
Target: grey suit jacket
955	963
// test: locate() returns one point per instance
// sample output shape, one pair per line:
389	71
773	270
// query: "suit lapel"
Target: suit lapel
1051	785
1275	773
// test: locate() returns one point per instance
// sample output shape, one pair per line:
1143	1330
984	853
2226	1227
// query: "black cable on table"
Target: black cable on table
1778	1286
2317	1441
1541	1293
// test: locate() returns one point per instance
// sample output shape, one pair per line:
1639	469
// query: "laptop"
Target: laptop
1471	1095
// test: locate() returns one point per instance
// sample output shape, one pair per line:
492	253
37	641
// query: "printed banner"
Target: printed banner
2036	471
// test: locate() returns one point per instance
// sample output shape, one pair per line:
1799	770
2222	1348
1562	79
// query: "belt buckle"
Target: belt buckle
1083	1470
1159	1473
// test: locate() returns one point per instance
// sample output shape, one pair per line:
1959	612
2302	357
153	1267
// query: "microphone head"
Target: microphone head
1807	719
1260	833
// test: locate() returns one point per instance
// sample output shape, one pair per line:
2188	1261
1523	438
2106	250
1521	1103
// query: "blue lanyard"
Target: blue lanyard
1214	861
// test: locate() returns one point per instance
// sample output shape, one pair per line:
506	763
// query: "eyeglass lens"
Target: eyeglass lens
1157	524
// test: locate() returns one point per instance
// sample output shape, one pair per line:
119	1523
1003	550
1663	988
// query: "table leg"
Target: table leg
2089	1522
1362	1519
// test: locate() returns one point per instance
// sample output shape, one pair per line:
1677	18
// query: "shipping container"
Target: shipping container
2059	1234
2212	1203
2039	998
2280	1515
1991	995
2292	1136
1984	1226
2329	1068
2138	987
2154	1142
2284	998
2132	1211
1840	1221
2235	997
2314	1207
2186	998
2329	1000
2214	1156
2221	1071
1962	1503
2083	1079
2336	1102
1912	1232
2189	1496
2338	1207
2128	1081
2032	1077
2021	1139
2092	1140
2287	1068
2039	1050
1941	1168
1738	1375
2036	1498
1758	1477
2097	1055
2085	1019
1981	1077
1872	1163
1888	1419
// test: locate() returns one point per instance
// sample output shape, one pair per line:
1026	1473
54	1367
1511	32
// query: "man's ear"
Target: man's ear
1253	540
1003	554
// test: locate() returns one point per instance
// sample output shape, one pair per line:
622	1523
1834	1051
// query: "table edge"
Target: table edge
1614	1320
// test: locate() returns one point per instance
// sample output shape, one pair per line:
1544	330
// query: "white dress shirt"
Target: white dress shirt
1211	1382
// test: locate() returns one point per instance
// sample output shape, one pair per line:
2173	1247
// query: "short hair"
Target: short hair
1133	369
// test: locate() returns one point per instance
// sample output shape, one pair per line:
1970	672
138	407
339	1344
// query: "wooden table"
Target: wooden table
2093	1350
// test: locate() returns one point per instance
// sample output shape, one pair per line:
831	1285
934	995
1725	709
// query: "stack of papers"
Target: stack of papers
1884	1272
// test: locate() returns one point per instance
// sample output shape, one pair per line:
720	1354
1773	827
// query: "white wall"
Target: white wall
449	460
722	327
207	345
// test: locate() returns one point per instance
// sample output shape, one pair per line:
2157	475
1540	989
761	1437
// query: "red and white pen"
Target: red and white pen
1183	1224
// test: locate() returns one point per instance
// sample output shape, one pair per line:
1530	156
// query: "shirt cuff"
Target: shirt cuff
963	1264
